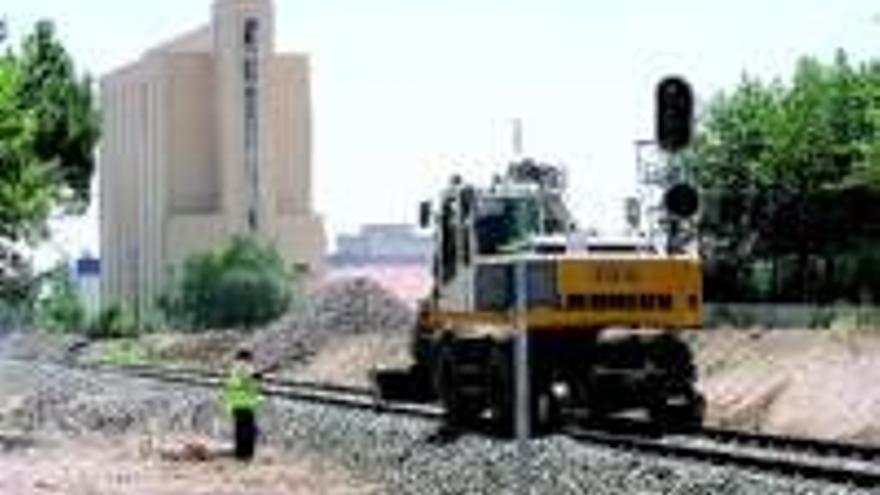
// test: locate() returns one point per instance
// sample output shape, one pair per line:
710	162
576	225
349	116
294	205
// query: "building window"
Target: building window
252	219
250	73
250	70
251	32
250	119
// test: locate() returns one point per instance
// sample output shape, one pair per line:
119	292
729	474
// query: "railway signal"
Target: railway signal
675	109
682	200
425	214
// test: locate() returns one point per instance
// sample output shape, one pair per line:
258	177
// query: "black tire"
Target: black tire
544	411
461	413
679	418
502	390
674	357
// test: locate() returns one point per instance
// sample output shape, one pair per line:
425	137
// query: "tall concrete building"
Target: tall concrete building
205	137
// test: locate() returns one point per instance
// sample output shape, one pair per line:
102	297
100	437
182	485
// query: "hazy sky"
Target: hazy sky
408	92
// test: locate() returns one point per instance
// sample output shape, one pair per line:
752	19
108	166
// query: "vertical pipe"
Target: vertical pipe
522	416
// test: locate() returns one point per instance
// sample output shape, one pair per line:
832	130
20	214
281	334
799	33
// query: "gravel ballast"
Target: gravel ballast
332	312
337	310
396	453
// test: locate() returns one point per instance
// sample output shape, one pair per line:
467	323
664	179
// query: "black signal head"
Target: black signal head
675	109
682	200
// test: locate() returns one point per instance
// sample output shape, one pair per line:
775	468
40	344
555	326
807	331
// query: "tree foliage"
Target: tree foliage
792	178
242	285
62	105
48	130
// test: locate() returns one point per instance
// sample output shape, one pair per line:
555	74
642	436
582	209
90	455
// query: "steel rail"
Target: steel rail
814	446
206	373
725	451
350	397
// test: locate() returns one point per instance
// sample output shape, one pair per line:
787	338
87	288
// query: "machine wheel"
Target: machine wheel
674	357
684	415
586	407
462	401
676	405
544	412
502	390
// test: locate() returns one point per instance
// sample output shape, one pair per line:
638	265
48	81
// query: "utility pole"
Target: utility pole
522	412
522	402
4	30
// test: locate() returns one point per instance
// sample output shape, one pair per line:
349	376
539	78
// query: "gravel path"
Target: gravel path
396	454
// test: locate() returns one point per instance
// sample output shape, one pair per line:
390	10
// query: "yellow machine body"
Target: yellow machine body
594	293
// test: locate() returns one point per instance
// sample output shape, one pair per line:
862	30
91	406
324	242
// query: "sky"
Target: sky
406	93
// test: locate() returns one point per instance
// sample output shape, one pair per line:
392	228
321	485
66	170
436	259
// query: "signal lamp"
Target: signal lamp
682	200
675	108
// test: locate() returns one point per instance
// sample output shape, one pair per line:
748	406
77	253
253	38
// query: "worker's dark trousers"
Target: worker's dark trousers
245	433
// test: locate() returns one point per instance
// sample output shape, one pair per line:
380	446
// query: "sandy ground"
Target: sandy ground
804	383
132	466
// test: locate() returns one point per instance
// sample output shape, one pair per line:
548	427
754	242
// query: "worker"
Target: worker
242	397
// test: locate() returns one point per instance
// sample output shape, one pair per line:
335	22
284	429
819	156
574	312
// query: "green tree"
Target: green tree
779	163
62	104
26	187
242	285
48	129
24	199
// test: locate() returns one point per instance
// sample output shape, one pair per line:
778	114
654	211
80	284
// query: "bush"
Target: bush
114	322
242	285
855	319
60	309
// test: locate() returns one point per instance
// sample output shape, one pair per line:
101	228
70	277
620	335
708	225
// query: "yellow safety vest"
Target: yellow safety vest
241	390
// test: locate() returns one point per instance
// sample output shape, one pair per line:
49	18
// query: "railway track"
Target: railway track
313	392
809	445
837	462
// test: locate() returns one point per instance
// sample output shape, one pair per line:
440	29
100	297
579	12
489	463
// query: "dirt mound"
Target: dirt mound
359	305
338	309
802	383
409	282
351	359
